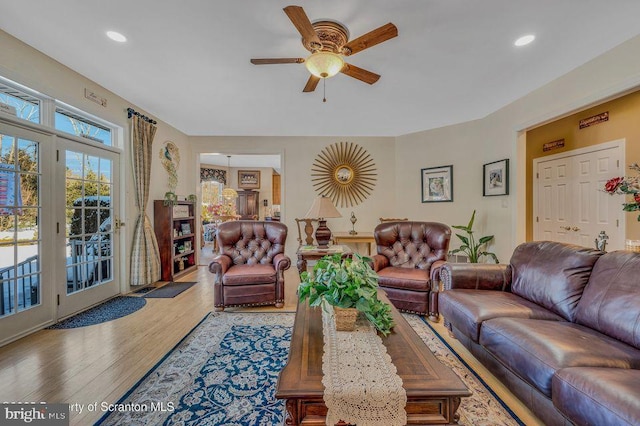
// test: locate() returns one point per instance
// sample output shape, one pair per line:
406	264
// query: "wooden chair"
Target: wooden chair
393	219
306	225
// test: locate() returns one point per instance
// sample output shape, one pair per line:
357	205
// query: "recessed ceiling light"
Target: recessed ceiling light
116	36
524	40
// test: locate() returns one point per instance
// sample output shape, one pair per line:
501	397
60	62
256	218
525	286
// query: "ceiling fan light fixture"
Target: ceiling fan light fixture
324	64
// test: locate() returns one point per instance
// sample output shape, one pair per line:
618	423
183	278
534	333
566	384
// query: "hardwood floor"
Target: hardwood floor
100	363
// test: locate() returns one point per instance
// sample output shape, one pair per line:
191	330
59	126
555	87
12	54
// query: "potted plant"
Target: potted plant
345	283
471	247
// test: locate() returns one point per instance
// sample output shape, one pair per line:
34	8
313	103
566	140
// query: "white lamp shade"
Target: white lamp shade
324	64
322	208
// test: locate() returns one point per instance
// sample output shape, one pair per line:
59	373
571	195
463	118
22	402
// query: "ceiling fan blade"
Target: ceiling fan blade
302	23
311	83
268	61
360	74
371	38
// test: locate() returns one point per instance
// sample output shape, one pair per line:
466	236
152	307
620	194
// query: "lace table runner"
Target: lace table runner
360	381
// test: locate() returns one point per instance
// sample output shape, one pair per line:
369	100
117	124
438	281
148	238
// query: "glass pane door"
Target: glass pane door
20	211
90	235
25	297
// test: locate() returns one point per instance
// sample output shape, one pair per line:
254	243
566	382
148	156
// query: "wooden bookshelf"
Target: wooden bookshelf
175	227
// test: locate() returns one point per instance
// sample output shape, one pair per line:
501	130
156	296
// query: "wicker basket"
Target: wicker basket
345	318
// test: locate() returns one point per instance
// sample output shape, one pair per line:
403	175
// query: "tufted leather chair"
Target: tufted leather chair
407	254
250	265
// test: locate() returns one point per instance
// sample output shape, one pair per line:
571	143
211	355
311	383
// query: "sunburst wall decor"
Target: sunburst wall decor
344	172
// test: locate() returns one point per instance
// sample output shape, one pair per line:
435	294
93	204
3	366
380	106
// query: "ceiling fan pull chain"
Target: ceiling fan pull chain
324	90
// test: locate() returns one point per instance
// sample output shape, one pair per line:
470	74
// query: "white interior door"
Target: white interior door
570	204
88	237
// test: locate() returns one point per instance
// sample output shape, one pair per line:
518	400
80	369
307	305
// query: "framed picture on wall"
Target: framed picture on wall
437	184
249	179
495	178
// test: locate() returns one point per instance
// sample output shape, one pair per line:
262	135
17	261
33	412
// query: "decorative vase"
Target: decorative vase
345	318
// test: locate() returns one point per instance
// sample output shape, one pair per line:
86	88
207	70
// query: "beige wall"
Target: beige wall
624	123
25	65
298	154
470	145
397	193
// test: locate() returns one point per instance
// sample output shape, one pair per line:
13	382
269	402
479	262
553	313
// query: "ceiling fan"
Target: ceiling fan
328	42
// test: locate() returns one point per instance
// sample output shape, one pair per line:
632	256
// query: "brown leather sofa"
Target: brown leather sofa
250	267
559	325
407	253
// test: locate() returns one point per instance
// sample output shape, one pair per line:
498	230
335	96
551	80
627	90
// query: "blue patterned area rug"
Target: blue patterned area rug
115	308
225	371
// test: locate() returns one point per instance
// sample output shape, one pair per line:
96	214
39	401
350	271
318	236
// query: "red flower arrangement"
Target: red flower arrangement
626	185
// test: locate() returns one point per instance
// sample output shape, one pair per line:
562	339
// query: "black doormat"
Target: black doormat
115	308
170	290
144	290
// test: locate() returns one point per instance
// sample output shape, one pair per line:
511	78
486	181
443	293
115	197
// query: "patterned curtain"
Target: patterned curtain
207	174
145	256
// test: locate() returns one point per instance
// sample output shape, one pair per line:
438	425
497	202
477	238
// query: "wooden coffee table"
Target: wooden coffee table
433	390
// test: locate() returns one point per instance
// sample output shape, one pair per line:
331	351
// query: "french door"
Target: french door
26	284
570	204
88	237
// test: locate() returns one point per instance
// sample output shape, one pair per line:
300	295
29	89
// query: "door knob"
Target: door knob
566	228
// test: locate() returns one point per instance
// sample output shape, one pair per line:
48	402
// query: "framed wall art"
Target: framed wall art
249	179
437	184
344	172
495	178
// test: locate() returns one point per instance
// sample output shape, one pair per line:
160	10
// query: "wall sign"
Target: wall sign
553	145
594	119
95	98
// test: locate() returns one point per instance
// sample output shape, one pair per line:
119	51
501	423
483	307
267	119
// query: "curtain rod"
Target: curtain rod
131	111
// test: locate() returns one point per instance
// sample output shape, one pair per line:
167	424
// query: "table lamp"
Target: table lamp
321	209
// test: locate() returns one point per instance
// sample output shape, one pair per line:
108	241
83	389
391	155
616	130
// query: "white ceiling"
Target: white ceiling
187	62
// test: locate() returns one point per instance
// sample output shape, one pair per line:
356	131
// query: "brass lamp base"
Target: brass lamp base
323	234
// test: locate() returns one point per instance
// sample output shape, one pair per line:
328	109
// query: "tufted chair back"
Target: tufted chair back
251	242
408	253
250	264
412	244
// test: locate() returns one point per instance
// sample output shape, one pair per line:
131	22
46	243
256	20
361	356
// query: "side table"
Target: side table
306	253
360	237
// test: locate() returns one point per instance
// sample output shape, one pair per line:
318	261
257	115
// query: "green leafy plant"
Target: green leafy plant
347	283
471	247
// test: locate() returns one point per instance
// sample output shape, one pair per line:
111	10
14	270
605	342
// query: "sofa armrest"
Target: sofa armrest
379	262
281	262
479	276
220	264
434	274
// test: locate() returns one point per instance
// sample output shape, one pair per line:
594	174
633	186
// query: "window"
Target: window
18	103
211	192
77	124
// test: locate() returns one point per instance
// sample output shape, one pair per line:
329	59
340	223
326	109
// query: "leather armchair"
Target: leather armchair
250	265
408	252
